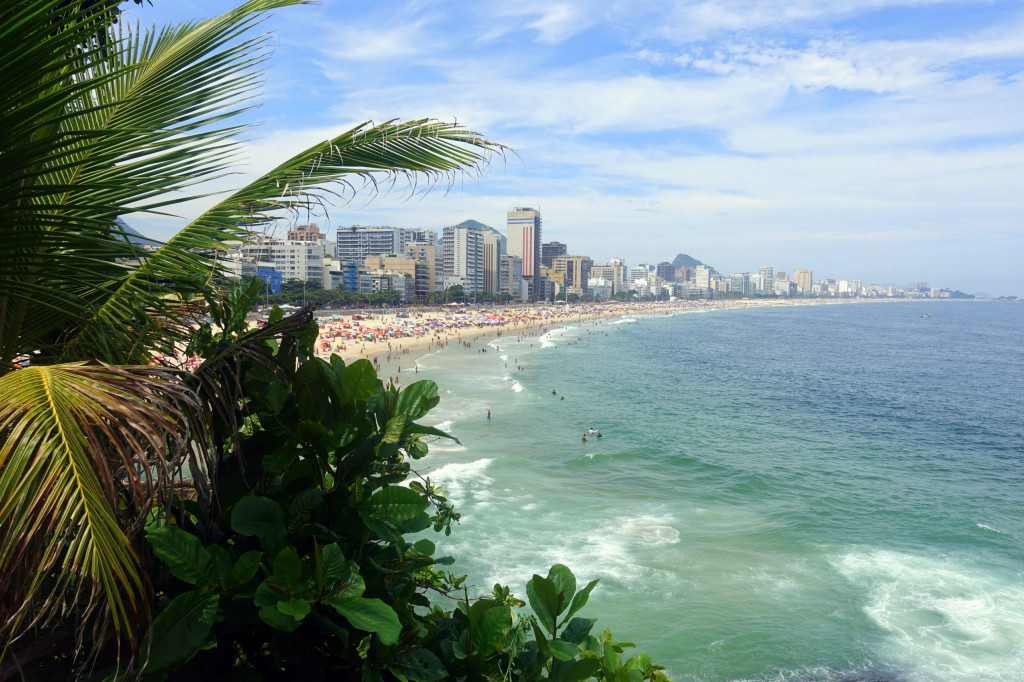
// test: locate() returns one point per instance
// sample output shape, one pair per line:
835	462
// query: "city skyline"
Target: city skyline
881	142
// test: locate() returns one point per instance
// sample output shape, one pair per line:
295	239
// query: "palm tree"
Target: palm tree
91	130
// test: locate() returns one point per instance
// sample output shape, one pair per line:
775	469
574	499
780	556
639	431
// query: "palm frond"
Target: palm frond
88	133
84	449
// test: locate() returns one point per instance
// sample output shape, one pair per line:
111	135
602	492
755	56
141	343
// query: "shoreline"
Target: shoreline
396	339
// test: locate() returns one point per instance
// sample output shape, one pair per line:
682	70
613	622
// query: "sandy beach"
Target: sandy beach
395	340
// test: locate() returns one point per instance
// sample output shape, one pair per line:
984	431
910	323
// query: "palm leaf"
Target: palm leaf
83	450
424	149
88	134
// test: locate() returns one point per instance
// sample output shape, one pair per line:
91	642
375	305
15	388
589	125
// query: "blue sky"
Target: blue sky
880	140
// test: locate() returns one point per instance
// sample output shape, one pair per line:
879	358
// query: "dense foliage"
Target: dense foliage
312	561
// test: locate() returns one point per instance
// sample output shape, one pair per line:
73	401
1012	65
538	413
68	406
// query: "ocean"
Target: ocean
820	492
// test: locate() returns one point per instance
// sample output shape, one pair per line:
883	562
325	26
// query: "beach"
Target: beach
396	339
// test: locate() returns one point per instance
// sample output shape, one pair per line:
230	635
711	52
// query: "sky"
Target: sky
880	140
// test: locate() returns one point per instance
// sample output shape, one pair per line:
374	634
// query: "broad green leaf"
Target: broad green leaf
562	650
288	569
386	529
580	600
296	608
395	502
543	600
416	400
577	629
302	504
245	568
395	427
359	380
278	620
581	670
565	584
184	555
419	665
259	516
491	630
424	547
181	629
371	615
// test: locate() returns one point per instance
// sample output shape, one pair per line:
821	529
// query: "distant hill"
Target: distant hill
134	236
686	261
477	225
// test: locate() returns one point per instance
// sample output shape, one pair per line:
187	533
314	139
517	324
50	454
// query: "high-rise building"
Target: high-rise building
494	248
293	259
576	271
306	233
462	252
803	279
550	251
614	272
765	282
420	236
524	240
427	255
666	271
702	276
512	276
740	283
358	242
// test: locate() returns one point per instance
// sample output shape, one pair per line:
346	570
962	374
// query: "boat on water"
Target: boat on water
927	315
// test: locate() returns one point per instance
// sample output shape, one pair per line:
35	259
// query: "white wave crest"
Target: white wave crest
946	620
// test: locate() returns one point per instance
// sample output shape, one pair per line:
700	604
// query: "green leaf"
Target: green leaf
288	569
371	615
562	650
424	547
419	665
581	670
245	568
277	619
302	504
577	629
296	608
491	631
416	400
184	555
181	629
259	516
394	429
395	502
580	600
565	584
359	380
543	600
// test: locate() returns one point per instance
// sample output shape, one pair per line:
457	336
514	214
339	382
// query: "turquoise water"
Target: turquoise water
827	492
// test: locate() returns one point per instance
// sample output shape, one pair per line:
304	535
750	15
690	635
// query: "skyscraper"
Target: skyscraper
462	250
524	240
550	251
766	279
802	277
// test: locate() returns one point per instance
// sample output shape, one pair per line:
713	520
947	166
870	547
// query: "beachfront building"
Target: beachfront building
421	272
342	273
306	233
511	276
803	279
427	256
420	236
614	272
373	281
550	251
575	270
462	255
524	240
765	277
359	242
494	245
739	283
665	271
303	260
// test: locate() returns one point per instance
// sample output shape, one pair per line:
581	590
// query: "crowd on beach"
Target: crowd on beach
390	336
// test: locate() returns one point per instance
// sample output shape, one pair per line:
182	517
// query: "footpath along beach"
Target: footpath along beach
396	340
